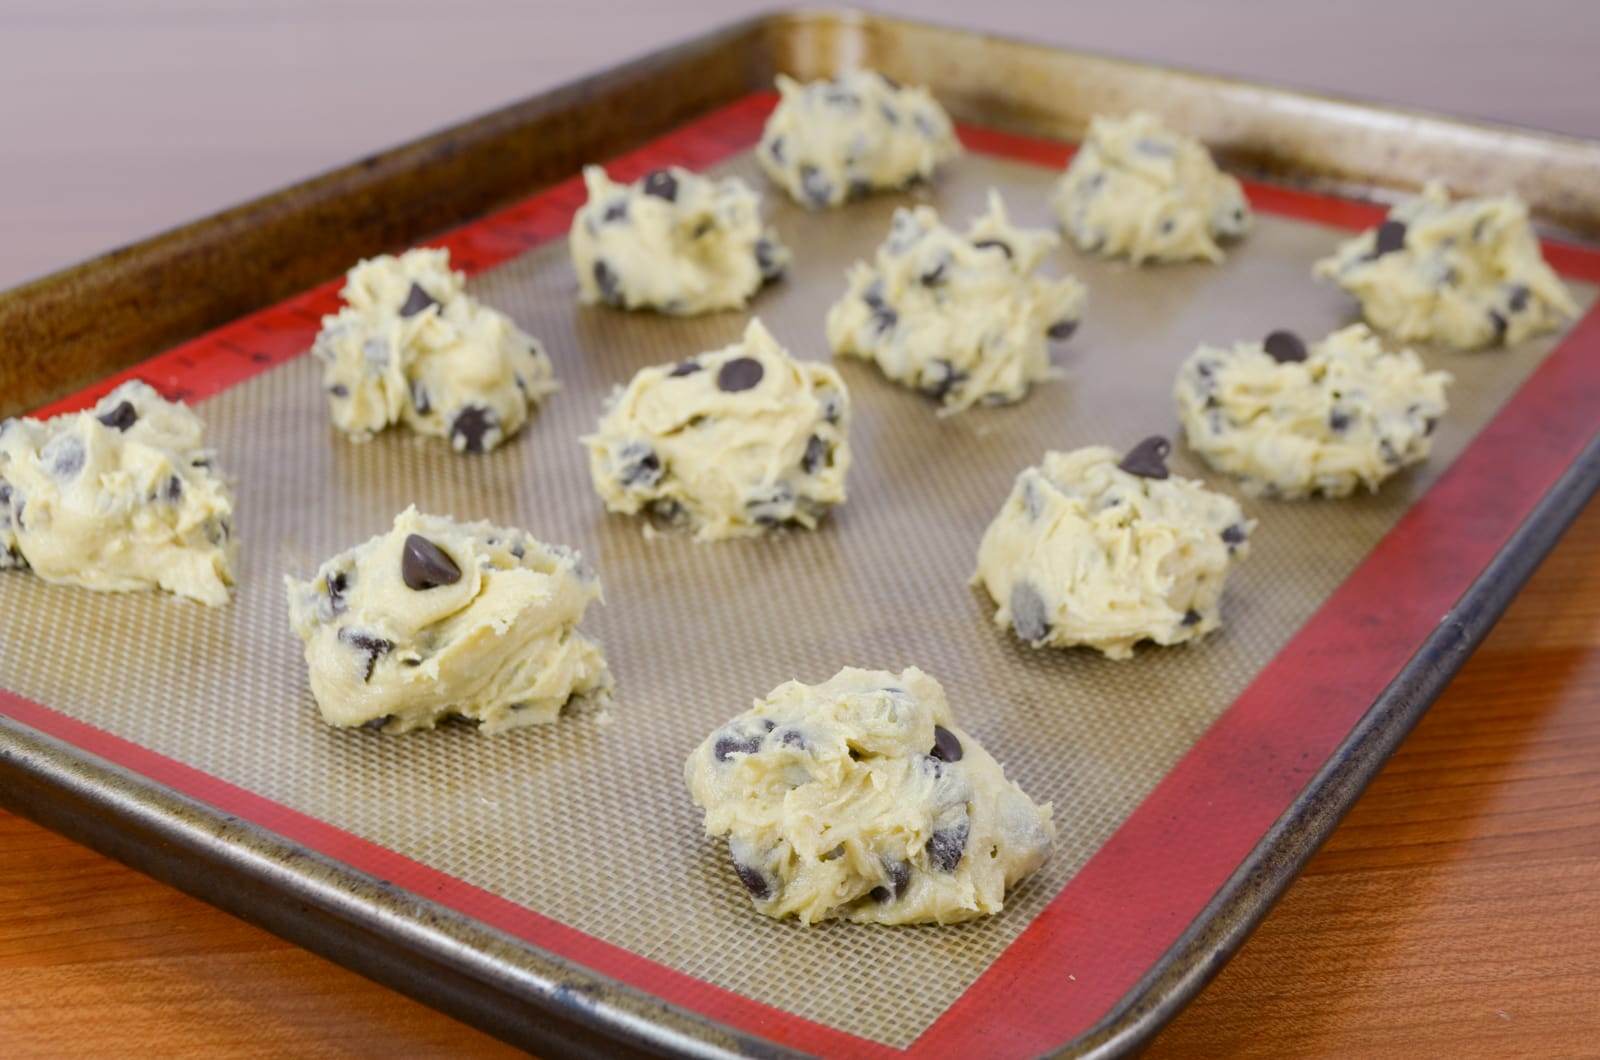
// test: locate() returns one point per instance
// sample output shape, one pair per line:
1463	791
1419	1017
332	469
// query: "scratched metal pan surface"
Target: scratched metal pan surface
552	885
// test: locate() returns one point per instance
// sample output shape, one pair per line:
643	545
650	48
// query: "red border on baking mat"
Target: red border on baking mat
1127	906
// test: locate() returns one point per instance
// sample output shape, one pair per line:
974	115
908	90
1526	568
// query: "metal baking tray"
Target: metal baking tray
552	885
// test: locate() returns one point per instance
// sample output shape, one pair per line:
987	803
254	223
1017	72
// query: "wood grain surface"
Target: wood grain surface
1456	911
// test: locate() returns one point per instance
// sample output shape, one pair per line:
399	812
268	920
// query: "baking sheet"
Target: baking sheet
587	821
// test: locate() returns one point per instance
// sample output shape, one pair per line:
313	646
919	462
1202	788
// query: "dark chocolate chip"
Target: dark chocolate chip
814	186
1391	237
122	417
1148	459
1062	330
1390	455
899	879
1498	320
731	745
946	748
1284	347
940	388
609	284
792	738
684	368
754	881
884	318
979	244
1519	299
703	228
775	149
416	301
472	427
890	115
174	490
1029	616
374	647
946	846
817	451
741	373
934	276
337	586
1234	535
767	260
641	466
424	565
65	456
617	211
339	390
1339	420
1191	617
419	398
375	724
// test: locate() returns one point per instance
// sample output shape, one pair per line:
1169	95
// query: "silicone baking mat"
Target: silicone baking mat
579	836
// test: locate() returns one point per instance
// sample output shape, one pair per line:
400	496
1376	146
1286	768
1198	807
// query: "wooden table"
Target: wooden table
1455	912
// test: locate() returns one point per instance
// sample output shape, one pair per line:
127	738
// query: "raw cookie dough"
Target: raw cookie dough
832	141
674	241
1291	422
860	799
1094	550
963	319
411	346
437	617
1462	274
727	443
119	498
1138	189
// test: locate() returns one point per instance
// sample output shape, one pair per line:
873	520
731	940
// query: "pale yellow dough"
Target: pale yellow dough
119	498
498	645
1137	189
1463	274
1351	414
411	346
1084	553
672	241
728	443
832	141
860	799
964	319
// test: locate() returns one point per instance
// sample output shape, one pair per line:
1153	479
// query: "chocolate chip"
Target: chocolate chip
731	745
374	647
767	260
940	388
1284	347
741	373
64	455
792	738
754	881
641	466
775	149
1390	455
1191	617
122	417
416	301
980	244
617	211
609	284
946	748
1519	298
1233	535
424	565
1498	321
703	228
899	879
890	115
174	490
338	585
1029	616
816	452
378	723
1339	420
1391	237
472	427
339	390
1148	459
946	846
814	186
934	276
419	398
1062	330
684	368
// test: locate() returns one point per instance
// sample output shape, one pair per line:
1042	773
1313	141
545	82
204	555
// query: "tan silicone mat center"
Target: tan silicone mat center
587	821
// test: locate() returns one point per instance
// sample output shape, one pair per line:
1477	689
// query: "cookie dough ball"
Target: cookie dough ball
1292	422
674	241
411	346
860	799
120	498
1461	274
964	319
832	141
1137	189
1095	550
437	618
728	443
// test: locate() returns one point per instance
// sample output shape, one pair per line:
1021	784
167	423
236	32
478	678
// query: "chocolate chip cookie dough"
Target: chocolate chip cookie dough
1291	422
832	141
860	799
728	443
673	241
1137	189
1463	274
1094	550
120	498
411	346
438	618
963	319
